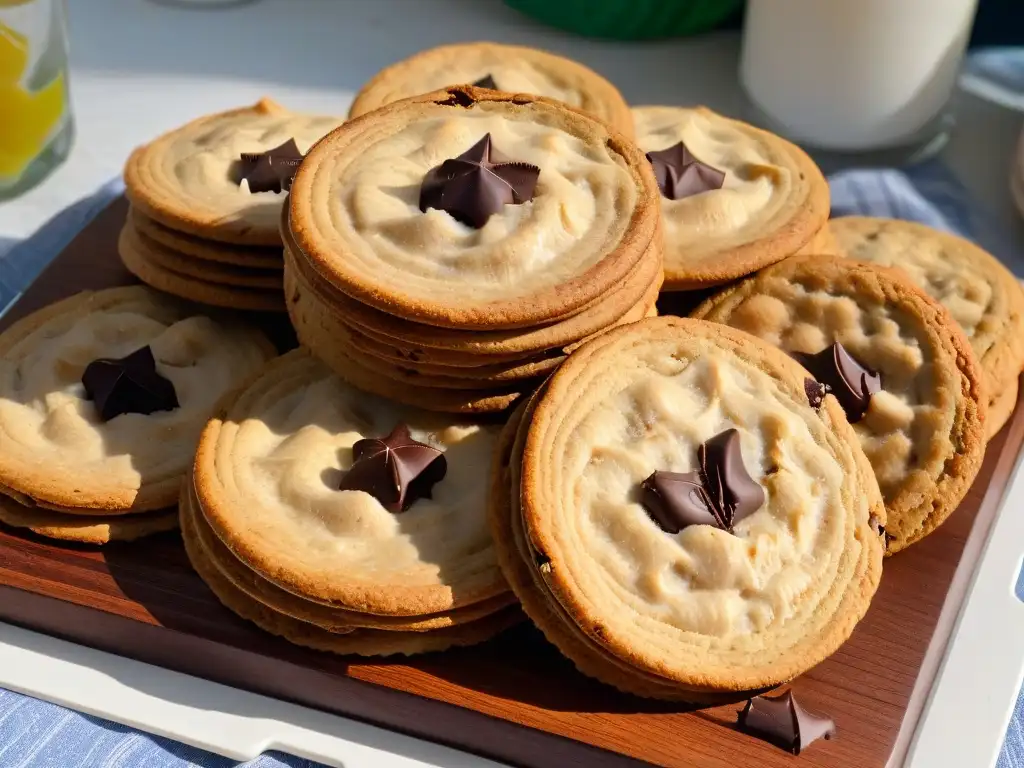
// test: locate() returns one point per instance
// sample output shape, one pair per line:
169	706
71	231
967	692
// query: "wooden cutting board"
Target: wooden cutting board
514	698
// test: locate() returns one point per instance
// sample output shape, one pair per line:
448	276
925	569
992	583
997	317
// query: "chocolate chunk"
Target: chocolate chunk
128	385
396	470
680	174
815	391
877	527
721	493
487	81
677	500
733	492
477	183
273	170
783	722
852	384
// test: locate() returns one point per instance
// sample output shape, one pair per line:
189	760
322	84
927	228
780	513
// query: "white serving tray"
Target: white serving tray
214	717
967	688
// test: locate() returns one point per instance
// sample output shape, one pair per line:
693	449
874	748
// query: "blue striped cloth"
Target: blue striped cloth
34	733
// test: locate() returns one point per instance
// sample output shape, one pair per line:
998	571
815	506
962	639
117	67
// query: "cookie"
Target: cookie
460	347
61	450
320	329
514	557
823	242
193	288
326	617
311	334
361	642
206	271
980	293
510	68
269	474
85	529
1000	408
416	376
923	430
191	179
255	257
734	198
691	514
550	209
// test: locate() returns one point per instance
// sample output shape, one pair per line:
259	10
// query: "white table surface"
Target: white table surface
140	68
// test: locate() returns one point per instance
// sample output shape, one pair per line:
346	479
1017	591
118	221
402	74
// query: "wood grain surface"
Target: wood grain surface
514	698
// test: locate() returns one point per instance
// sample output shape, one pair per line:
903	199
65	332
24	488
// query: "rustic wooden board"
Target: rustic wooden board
513	698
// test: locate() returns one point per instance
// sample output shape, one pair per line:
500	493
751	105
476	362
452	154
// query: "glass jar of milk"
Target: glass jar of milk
856	77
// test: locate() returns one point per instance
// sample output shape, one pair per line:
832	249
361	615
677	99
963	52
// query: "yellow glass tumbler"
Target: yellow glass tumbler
35	116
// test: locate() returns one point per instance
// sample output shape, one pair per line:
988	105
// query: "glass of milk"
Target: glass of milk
866	80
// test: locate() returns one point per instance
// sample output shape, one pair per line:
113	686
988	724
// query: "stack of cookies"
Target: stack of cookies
344	522
450	249
681	518
205	201
102	400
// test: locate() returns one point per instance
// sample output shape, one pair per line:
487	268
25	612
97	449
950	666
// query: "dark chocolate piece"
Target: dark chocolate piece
677	500
477	183
396	470
487	81
877	526
720	493
680	174
273	170
815	391
783	722
128	384
733	492
852	384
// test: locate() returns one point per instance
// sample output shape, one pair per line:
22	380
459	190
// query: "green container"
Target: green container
630	19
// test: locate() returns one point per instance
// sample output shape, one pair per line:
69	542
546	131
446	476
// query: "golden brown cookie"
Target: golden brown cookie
1000	408
193	288
511	68
190	178
823	242
924	429
269	476
322	329
207	271
770	203
327	617
515	558
314	334
355	212
85	529
257	257
980	293
754	575
461	347
62	450
361	642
